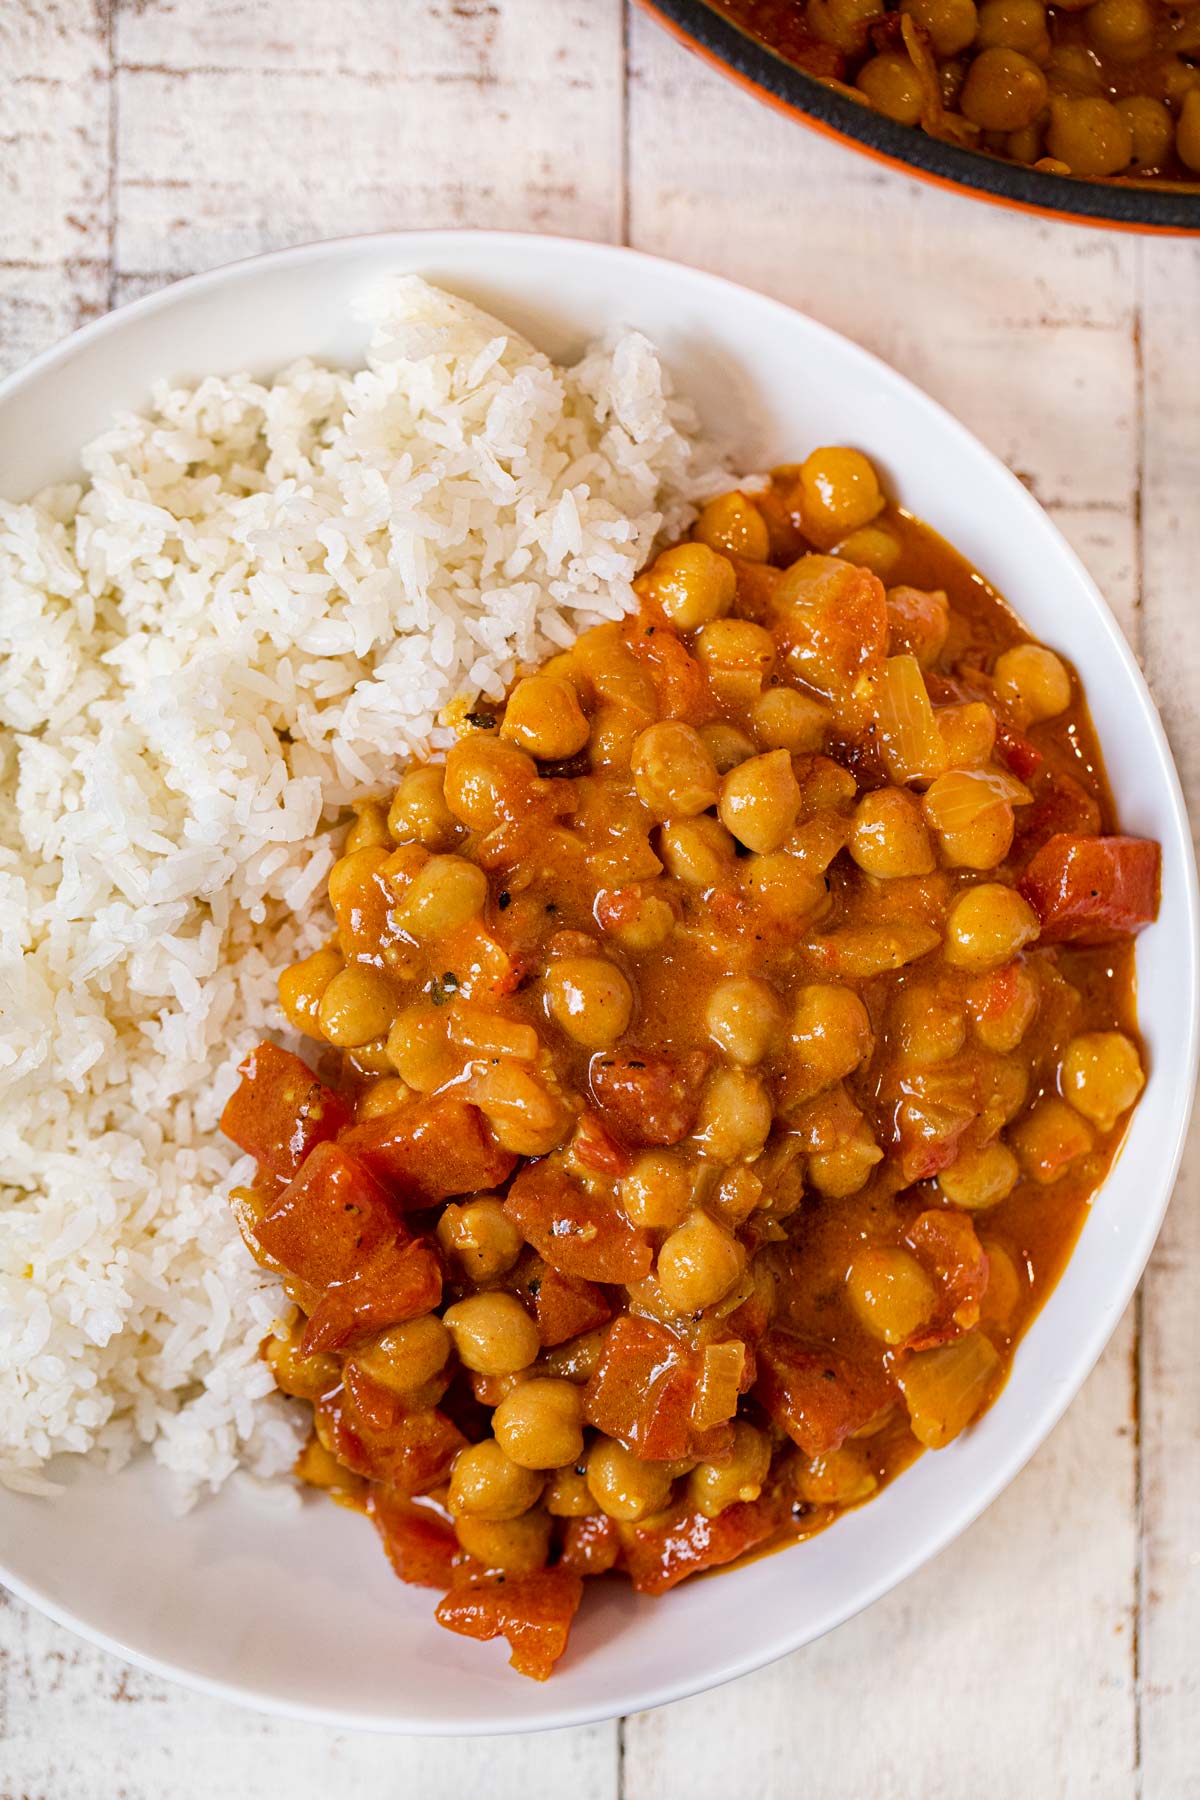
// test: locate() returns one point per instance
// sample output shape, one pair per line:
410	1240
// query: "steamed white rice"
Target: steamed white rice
255	608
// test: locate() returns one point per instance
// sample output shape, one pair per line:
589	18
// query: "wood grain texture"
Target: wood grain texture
1051	1651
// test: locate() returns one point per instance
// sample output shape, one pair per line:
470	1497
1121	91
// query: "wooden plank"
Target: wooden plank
56	217
1170	1589
1024	1630
77	1725
243	127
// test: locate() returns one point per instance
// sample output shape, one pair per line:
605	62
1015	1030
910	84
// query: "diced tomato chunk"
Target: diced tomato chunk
1018	755
660	1556
649	1099
1088	890
596	1147
430	1150
420	1547
818	1398
948	1245
280	1111
592	1545
401	1281
330	1218
680	686
645	1390
565	1306
1061	806
371	1431
577	1233
533	1612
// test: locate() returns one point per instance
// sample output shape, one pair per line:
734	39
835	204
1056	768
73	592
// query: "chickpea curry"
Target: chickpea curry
719	1051
1107	88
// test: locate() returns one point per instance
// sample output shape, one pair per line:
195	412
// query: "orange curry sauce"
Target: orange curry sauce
718	1055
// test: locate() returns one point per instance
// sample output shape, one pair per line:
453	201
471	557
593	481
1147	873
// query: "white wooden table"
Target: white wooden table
1055	1650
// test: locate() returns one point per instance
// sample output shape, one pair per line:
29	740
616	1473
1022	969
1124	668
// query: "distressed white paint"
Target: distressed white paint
1051	1652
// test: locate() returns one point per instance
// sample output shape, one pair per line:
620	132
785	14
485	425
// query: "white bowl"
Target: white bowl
299	1614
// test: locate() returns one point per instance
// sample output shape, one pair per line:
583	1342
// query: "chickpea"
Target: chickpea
589	999
980	1177
890	1292
1089	135
918	623
1034	680
305	1377
759	801
733	525
356	1006
370	827
578	1359
657	1191
714	1486
1101	1076
673	773
511	1546
891	84
987	926
567	1495
699	852
1187	132
950	24
419	813
785	886
888	835
744	1017
841	1477
525	1116
302	988
928	1026
1004	90
1121	30
1000	1027
485	1485
734	1119
973	821
839	490
872	547
1049	1138
406	1356
622	1485
645	921
614	733
845	1169
691	583
699	1264
737	656
353	883
447	893
486	782
784	719
1024	146
544	717
481	1238
419	1051
831	1035
1014	25
540	1424
1004	1286
382	1097
492	1333
968	733
842	23
728	745
1074	70
1152	129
